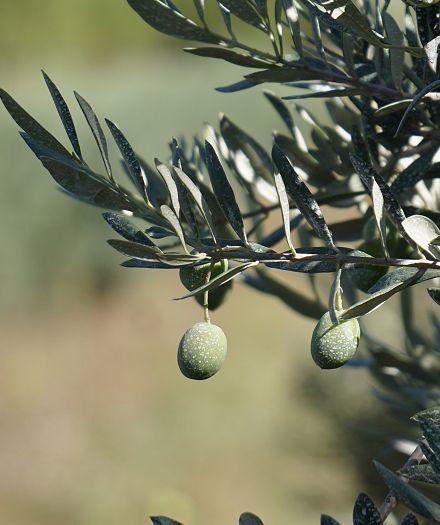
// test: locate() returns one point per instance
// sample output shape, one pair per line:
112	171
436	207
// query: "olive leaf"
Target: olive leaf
367	175
30	125
416	99
409	519
162	520
379	214
64	113
132	162
424	232
153	264
423	473
434	293
161	17
328	520
411	497
220	280
245	10
413	173
299	192
97	132
397	53
292	17
224	193
228	55
171	185
126	229
384	292
282	110
365	511
285	208
248	518
172	218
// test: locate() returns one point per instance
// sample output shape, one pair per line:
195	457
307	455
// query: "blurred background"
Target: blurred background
98	426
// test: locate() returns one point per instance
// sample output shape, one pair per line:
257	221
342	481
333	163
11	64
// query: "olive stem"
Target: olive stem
206	295
337	258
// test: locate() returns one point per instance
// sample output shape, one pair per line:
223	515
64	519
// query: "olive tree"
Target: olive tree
203	211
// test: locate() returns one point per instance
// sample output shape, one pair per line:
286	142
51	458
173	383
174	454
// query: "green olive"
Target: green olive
195	277
334	344
202	351
364	277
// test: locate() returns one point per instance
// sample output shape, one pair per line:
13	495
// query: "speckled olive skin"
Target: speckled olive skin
334	345
202	351
193	278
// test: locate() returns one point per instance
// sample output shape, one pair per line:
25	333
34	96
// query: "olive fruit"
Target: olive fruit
334	344
195	277
364	277
202	351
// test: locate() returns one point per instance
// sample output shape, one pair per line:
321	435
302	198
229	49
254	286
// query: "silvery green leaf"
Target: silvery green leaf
161	17
431	49
228	55
367	175
409	519
134	249
158	232
285	208
200	7
299	192
30	125
238	86
249	519
423	232
130	158
392	107
250	159
64	113
411	497
262	7
317	37
348	52
198	198
328	520
294	25
434	293
281	75
282	109
330	93
172	218
126	229
156	188
83	183
411	175
171	185
220	280
365	511
423	473
401	275
397	54
431	456
245	10
223	192
376	299
97	132
150	265
379	214
416	99
162	520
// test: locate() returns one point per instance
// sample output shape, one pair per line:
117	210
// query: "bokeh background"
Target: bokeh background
97	424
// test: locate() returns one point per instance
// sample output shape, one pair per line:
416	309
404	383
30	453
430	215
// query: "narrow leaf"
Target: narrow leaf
224	193
64	113
299	192
171	217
